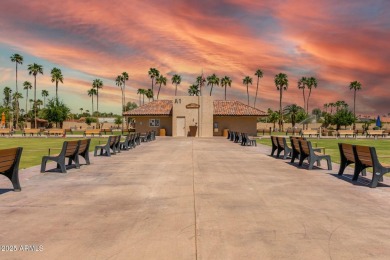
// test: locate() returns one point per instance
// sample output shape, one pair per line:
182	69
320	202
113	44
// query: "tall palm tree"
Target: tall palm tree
39	103
149	94
27	85
35	69
281	83
310	83
18	59
139	91
162	81
176	79
44	94
259	74
338	104
246	81
119	81
302	85
153	73
200	81
355	85
125	76
56	76
226	81
91	93
97	84
292	111
212	80
193	90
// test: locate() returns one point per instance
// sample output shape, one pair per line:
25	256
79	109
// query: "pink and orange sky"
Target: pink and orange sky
335	41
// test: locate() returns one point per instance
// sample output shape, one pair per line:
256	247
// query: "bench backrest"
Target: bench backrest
309	132
274	140
9	158
280	141
56	131
92	131
84	145
346	132
370	132
112	140
5	130
363	153
71	147
31	131
305	146
295	144
346	150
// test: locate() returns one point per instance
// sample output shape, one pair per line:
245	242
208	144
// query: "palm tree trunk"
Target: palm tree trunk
35	99
26	100
280	109
211	90
140	99
247	92
57	91
92	104
143	99
257	88
152	91
124	96
354	111
176	89
304	99
225	92
159	91
307	106
17	103
97	100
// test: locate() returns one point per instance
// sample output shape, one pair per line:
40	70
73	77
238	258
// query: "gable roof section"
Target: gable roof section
154	108
221	108
235	108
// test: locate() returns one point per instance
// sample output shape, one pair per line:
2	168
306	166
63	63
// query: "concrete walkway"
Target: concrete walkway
193	199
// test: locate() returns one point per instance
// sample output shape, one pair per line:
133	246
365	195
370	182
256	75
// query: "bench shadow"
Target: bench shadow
362	180
2	191
58	170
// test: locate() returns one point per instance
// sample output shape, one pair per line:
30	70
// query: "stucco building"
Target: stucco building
195	116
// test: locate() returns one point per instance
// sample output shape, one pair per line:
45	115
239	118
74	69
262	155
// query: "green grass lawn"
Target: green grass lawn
382	146
35	148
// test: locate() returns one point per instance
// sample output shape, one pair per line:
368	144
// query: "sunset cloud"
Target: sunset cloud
334	41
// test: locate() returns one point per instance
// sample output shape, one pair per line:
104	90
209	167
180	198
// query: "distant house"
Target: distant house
195	116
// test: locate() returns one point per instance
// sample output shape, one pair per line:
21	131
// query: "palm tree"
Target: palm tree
338	104
91	93
226	81
31	101
35	69
355	85
176	79
200	80
125	76
149	94
139	91
7	97
81	110
193	90
56	76
281	83
326	105
18	59
16	96
292	111
162	81
310	83
153	73
259	74
44	94
27	85
246	81
212	80
302	85
119	82
39	103
97	84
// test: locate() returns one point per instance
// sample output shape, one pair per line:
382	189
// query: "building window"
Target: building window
154	122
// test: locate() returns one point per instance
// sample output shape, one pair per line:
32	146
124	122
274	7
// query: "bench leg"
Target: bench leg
375	178
43	164
329	163
343	165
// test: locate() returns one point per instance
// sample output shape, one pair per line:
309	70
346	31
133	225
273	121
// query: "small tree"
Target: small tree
118	120
55	112
343	117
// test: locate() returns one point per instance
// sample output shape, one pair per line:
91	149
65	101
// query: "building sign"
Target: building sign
192	106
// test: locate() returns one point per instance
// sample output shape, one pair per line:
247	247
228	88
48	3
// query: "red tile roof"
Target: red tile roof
221	108
235	108
154	108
